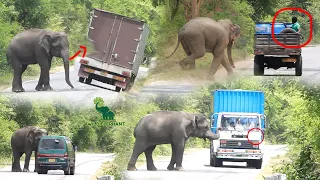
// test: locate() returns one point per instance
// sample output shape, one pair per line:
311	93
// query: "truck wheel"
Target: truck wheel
81	79
216	161
131	83
118	89
298	65
88	80
258	67
258	163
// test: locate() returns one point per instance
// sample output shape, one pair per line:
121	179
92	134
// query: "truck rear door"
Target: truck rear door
115	38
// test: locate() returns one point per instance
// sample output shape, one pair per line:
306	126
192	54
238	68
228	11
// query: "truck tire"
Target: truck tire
258	67
81	79
131	83
216	161
88	80
258	163
298	65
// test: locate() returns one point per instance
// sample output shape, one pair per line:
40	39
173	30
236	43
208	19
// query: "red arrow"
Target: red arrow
78	52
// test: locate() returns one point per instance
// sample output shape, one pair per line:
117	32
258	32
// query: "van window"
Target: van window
52	144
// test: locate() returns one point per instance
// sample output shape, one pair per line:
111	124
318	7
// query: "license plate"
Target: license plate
52	160
239	150
289	59
239	155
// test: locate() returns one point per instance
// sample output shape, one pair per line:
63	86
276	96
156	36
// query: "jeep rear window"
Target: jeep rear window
52	144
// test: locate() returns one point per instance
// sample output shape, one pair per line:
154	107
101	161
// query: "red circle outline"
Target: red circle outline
296	9
262	136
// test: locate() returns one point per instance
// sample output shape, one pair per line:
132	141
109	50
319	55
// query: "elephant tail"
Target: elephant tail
8	59
179	40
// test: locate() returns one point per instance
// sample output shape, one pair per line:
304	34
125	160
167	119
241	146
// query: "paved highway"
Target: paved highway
86	165
196	165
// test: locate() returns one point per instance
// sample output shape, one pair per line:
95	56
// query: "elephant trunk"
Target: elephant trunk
66	69
210	135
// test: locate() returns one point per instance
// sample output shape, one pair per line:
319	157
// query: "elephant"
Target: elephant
37	46
168	127
105	111
203	34
25	140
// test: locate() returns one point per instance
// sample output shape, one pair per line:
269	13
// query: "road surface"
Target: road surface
196	165
86	165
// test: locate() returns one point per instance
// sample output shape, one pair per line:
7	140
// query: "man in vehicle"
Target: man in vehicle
295	25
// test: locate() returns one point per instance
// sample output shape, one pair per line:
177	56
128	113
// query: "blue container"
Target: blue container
242	101
266	27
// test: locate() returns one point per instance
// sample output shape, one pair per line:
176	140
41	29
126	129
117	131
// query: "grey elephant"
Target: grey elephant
168	127
37	46
203	34
25	141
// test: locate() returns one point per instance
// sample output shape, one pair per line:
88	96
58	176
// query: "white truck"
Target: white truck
240	116
118	44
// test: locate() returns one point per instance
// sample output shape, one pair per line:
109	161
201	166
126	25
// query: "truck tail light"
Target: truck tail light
38	154
65	155
126	73
82	61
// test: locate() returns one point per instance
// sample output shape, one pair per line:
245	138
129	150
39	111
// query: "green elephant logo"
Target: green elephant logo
104	110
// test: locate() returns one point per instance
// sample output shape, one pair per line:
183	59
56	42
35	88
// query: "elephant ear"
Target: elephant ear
235	31
31	136
196	120
45	42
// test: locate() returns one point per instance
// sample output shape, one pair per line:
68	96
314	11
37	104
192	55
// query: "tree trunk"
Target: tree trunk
192	9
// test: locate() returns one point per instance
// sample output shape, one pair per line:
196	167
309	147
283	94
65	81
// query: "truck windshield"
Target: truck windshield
243	123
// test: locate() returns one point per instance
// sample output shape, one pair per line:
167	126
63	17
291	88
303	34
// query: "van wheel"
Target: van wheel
45	171
88	80
72	170
67	171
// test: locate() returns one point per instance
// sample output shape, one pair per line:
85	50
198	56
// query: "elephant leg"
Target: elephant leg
173	158
219	56
139	147
227	66
192	64
17	72
179	149
27	161
23	69
148	153
40	84
36	161
190	60
16	161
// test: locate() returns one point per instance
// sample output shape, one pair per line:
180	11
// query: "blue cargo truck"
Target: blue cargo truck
269	54
237	112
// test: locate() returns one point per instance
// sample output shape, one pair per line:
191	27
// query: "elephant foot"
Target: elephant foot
179	169
16	170
170	167
38	88
182	65
17	90
152	168
131	168
47	88
25	170
211	78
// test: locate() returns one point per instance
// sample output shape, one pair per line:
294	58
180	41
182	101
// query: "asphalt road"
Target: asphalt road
86	165
196	166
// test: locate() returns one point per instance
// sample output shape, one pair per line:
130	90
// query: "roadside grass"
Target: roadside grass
269	168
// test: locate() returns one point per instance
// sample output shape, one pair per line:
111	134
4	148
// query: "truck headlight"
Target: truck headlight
223	143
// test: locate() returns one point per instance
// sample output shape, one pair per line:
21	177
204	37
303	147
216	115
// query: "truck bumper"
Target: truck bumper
238	155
